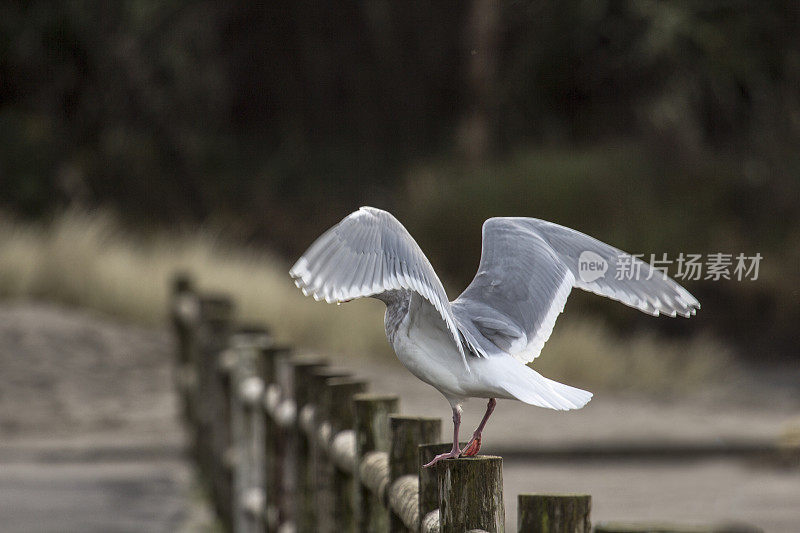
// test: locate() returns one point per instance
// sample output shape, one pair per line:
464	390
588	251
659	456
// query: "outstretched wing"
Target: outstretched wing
527	270
367	253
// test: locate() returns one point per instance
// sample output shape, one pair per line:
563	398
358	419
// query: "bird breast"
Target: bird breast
426	348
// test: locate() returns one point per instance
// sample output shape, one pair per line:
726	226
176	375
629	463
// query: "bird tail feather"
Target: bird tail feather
527	385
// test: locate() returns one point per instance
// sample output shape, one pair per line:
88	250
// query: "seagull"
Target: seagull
479	345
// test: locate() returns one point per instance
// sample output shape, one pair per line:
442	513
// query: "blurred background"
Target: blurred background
139	137
661	127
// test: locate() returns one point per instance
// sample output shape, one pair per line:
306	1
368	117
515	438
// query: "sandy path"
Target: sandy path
89	438
89	435
739	411
687	492
684	489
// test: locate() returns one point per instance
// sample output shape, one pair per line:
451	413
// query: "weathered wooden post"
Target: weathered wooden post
285	416
658	527
303	393
429	484
471	494
372	435
554	513
216	316
223	435
247	437
182	285
338	409
271	359
318	428
407	434
185	316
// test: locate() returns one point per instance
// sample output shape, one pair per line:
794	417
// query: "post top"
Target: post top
650	527
277	349
415	418
182	282
308	361
216	299
553	495
325	372
251	328
372	397
345	381
474	459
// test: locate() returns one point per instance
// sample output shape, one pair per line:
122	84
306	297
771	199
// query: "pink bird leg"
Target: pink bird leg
475	443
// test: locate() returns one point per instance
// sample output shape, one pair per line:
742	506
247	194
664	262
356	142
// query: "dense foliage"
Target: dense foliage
657	123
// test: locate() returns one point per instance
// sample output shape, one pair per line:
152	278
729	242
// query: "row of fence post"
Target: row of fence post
287	443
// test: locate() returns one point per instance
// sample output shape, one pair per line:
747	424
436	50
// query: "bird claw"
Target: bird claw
472	448
453	454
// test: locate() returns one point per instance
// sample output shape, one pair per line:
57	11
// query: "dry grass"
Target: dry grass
85	260
586	353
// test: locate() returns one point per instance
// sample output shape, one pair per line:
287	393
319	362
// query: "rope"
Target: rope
404	500
430	524
343	450
283	412
374	472
250	391
307	419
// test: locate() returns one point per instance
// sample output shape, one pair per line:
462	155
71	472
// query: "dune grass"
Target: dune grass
85	259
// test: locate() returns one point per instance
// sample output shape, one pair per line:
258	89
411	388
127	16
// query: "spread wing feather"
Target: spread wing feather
367	253
527	270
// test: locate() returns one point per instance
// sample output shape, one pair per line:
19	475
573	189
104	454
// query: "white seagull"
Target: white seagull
478	345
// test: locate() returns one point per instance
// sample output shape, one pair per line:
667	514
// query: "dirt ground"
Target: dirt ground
89	435
690	458
90	438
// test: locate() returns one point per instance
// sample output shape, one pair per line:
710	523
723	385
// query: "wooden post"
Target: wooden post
223	435
407	434
210	341
216	316
471	494
184	313
650	527
304	483
322	467
302	369
372	434
429	480
554	513
246	450
271	358
338	401
285	415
